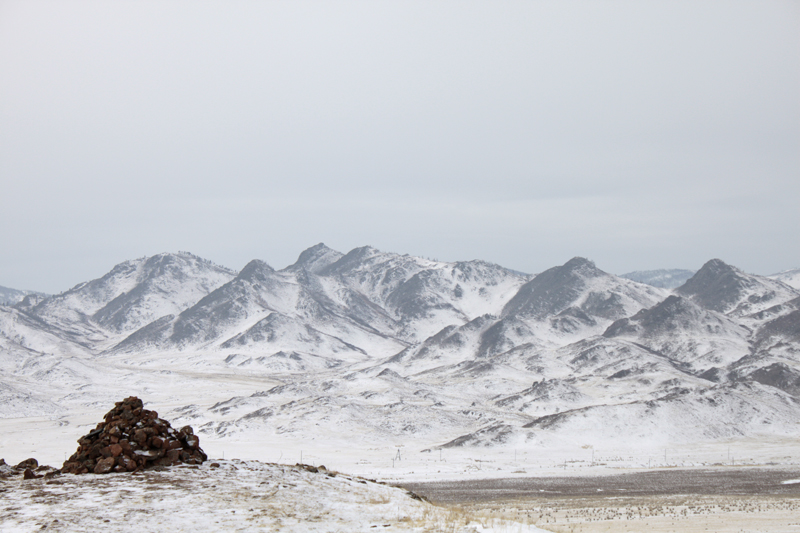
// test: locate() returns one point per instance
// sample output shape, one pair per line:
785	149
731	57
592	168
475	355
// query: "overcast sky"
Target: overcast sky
638	134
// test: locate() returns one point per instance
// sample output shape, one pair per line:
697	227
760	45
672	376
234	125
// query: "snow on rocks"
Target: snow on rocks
29	469
133	438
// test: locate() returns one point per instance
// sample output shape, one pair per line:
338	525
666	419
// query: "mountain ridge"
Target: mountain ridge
382	344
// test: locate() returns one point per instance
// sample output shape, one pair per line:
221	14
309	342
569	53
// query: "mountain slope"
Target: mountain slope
362	304
133	294
268	311
725	289
387	346
580	286
683	331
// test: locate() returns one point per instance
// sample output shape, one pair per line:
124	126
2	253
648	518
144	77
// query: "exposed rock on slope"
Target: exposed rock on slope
580	285
579	299
720	287
683	331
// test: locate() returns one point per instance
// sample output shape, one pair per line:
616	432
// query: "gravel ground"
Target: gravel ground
746	500
734	481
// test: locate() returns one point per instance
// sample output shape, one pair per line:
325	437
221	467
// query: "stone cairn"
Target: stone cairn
133	439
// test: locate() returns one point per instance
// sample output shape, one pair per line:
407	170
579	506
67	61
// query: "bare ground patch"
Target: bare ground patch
733	500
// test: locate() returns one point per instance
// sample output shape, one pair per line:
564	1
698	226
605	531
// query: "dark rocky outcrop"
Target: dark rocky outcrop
131	439
553	290
780	376
720	287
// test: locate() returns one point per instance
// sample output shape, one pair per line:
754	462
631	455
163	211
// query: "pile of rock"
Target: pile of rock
132	438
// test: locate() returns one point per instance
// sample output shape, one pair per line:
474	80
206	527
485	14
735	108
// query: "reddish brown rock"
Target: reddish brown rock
132	438
104	466
174	456
140	437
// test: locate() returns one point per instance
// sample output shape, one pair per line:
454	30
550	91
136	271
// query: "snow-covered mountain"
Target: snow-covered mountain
557	307
726	289
388	346
98	313
135	293
577	297
265	312
680	330
348	308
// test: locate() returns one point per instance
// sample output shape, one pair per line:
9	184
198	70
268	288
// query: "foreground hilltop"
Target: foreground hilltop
226	496
389	346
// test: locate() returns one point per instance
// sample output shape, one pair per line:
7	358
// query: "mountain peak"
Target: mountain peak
716	286
579	263
723	288
364	251
316	258
255	268
353	259
553	290
717	266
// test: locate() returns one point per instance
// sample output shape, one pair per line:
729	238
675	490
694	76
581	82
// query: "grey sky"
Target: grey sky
639	134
